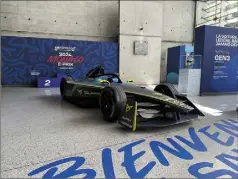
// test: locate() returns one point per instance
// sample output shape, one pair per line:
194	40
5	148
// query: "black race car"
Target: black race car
127	103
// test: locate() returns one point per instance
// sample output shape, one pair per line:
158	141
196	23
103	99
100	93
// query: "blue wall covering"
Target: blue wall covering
24	59
219	49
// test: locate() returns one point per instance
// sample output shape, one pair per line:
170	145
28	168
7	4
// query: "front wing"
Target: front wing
146	114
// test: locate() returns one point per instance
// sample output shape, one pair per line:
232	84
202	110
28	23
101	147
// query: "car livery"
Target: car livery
129	104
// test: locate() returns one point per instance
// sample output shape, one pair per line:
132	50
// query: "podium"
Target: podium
190	75
50	82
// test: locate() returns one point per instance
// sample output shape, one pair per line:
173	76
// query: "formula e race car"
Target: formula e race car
128	104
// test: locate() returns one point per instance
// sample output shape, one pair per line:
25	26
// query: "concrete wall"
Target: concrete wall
178	26
133	16
165	24
92	20
170	22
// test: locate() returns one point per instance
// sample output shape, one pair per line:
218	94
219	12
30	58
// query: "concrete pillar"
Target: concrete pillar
140	21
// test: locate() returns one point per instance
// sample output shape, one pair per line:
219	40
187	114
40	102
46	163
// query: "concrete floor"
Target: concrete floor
38	128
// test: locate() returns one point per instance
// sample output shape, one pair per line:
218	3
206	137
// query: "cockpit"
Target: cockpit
98	75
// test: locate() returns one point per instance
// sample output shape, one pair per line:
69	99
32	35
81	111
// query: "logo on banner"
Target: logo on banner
226	40
222	56
64	57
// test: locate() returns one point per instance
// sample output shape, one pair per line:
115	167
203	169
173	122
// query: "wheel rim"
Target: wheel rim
107	106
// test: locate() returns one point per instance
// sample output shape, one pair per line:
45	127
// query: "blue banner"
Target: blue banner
24	59
219	49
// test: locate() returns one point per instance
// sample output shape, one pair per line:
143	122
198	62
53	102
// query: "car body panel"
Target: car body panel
129	88
144	107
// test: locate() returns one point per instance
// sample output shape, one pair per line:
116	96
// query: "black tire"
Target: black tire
167	89
112	103
63	85
171	91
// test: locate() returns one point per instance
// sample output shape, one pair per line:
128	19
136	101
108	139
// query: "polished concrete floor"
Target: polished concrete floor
38	128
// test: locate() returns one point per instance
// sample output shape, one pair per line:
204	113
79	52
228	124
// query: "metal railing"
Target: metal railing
218	13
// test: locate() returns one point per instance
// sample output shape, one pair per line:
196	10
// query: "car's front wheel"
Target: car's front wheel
112	103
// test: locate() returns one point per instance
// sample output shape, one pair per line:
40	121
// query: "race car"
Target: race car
129	104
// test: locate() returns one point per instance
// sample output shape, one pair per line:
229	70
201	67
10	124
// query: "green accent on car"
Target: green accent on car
128	107
165	99
155	95
81	92
135	117
79	85
129	81
104	81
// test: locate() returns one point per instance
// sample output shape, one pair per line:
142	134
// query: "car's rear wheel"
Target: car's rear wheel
63	85
167	89
112	103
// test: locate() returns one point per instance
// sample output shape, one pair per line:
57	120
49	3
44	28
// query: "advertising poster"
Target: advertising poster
25	59
66	57
219	49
